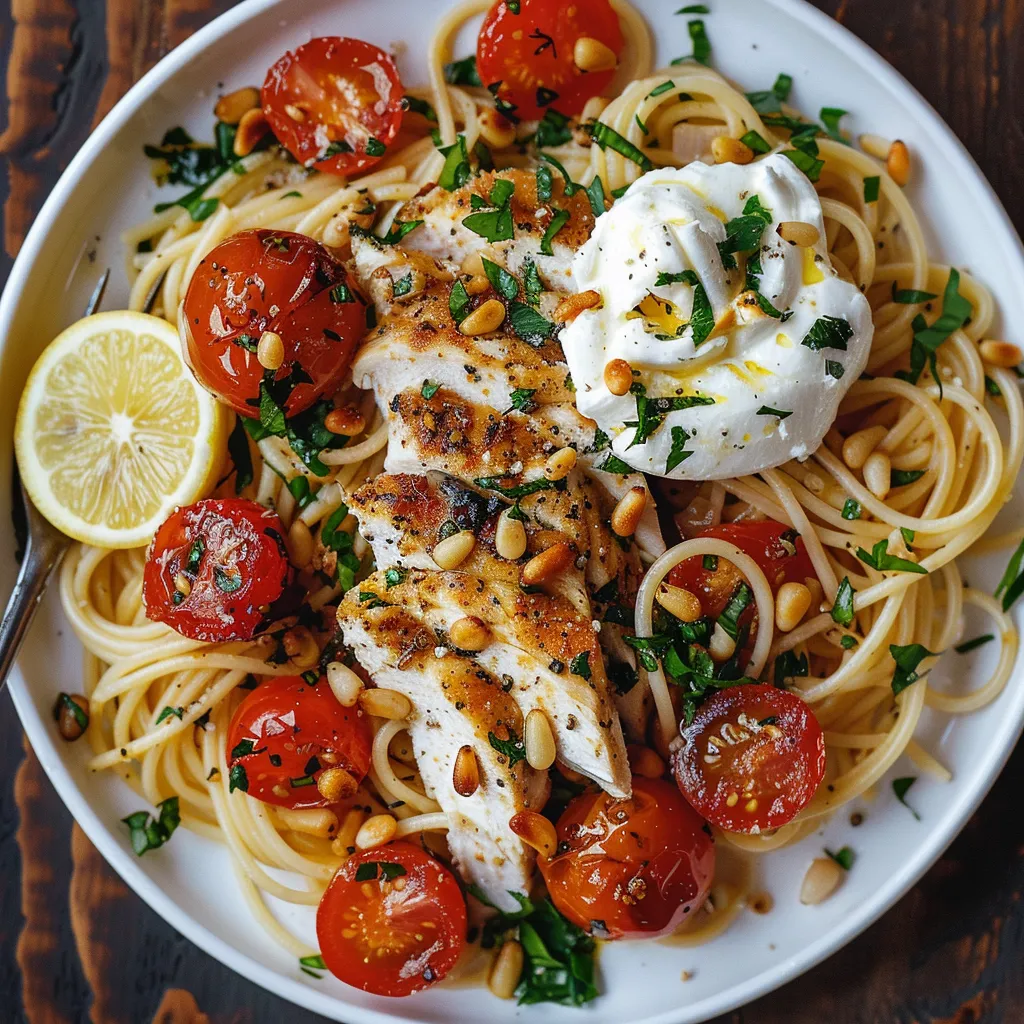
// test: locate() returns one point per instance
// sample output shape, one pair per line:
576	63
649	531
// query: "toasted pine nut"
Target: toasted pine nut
473	265
484	319
344	683
385	703
182	585
300	544
791	604
547	564
560	464
799	233
645	762
454	550
469	634
535	830
857	447
234	105
69	722
1001	353
822	879
301	648
727	150
876	146
477	285
336	784
252	126
346	421
877	474
897	162
294	112
721	647
813	584
270	350
679	602
466	772
572	305
510	537
376	831
618	377
628	512
539	741
591	54
497	130
321	822
506	970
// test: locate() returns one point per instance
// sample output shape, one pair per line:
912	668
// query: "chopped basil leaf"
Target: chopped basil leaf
371	869
421	107
830	118
571	188
956	310
834	369
553	130
907	659
168	712
522	400
900	788
851	509
241	457
790	665
903	477
580	665
660	90
743	233
701	43
374	147
736	605
908	535
880	559
501	280
493	483
148	832
595	193
677	455
709	563
842	609
544	183
532	285
429	389
238	779
828	332
694	9
756	141
195	554
529	325
402	286
462	72
650	412
970	645
1011	586
314	962
512	747
557	223
767	410
613	464
394	577
608	138
847	642
458	303
398	230
872	188
456	170
808	163
911	296
844	857
341	293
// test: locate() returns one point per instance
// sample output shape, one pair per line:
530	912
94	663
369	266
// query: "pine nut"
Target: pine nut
1001	353
321	822
182	585
301	648
645	762
344	683
897	162
510	537
591	54
506	970
469	634
813	584
539	741
384	703
535	830
230	108
454	550
799	233
857	447
877	474
791	604
679	602
466	773
476	285
618	377
484	319
721	647
473	266
822	879
497	131
336	784
727	150
629	511
346	421
294	112
560	464
300	544
376	831
252	126
548	564
69	723
876	146
270	350
572	305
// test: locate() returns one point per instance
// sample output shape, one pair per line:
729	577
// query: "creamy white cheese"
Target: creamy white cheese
671	224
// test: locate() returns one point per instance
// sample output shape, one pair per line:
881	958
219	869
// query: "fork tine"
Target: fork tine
97	295
154	291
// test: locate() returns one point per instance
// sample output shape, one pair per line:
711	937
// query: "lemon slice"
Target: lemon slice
113	430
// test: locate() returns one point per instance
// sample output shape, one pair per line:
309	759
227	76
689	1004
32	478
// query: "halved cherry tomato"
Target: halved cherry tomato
335	103
630	868
526	59
751	759
215	568
287	732
278	281
392	921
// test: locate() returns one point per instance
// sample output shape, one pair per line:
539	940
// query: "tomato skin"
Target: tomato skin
778	763
279	281
409	932
349	92
654	862
519	54
287	722
231	552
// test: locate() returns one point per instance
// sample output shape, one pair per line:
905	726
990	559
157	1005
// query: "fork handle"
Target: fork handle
41	558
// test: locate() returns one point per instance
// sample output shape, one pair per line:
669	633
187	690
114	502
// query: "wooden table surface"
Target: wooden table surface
77	945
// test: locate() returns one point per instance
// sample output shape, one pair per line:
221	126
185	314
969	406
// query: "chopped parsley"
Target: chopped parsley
522	400
851	509
842	609
900	787
513	747
828	332
459	302
767	410
974	644
495	224
743	233
168	712
580	665
880	559
830	118
678	453
650	412
956	311
907	659
493	483
370	870
149	833
844	857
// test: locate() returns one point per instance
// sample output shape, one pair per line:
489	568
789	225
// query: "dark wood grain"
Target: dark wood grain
76	945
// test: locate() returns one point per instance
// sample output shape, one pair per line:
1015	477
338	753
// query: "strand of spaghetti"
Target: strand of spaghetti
435	822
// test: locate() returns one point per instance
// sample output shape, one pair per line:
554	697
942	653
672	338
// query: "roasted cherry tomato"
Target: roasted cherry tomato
527	59
215	568
751	759
630	868
288	732
277	281
334	103
392	921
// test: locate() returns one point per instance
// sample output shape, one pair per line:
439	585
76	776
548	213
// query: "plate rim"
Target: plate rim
967	801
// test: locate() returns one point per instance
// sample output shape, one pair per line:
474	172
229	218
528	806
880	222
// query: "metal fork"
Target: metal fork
45	548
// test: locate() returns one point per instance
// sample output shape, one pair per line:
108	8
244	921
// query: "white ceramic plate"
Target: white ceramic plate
189	882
